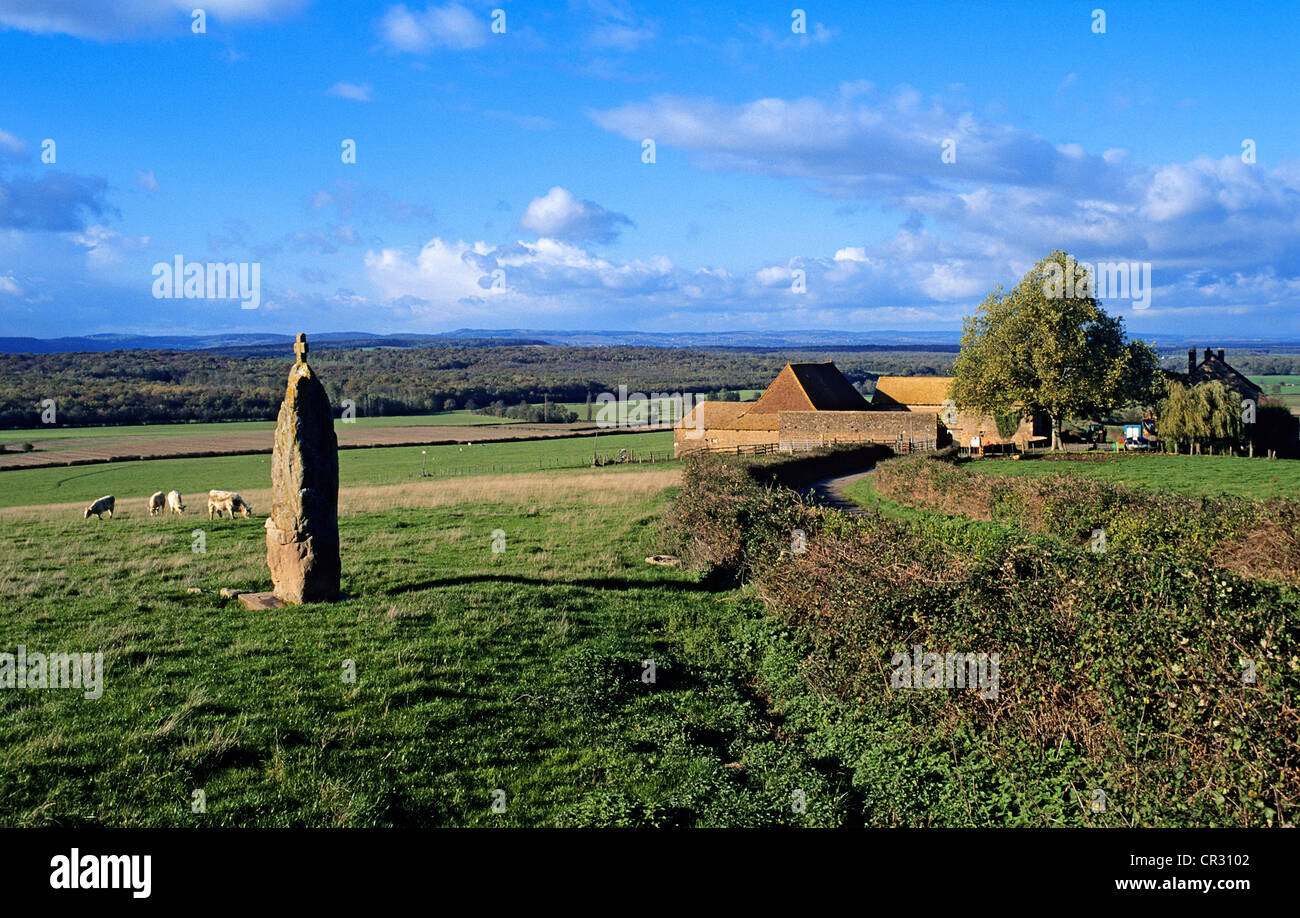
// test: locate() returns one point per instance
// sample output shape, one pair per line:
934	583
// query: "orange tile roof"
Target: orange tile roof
810	387
897	391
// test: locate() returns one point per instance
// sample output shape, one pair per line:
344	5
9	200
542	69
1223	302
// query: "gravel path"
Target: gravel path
831	491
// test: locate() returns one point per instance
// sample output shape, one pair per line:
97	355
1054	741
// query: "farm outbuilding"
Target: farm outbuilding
813	404
932	395
808	404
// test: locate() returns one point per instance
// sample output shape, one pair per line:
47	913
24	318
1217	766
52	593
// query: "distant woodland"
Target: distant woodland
147	386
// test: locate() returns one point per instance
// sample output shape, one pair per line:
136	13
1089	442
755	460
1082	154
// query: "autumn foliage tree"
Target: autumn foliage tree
1048	348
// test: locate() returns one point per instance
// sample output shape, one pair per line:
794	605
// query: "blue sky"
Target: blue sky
499	180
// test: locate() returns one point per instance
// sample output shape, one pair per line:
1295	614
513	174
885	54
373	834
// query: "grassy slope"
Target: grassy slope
1193	475
138	479
443	419
475	671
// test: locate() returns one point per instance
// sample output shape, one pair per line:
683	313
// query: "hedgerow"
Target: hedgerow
1143	686
1254	538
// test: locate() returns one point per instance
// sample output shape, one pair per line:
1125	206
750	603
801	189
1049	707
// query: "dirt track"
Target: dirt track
83	450
831	492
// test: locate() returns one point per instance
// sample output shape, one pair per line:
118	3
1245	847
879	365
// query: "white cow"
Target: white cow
101	506
227	502
174	503
155	503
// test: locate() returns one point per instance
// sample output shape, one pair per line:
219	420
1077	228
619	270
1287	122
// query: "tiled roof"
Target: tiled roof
827	388
1213	369
900	391
809	387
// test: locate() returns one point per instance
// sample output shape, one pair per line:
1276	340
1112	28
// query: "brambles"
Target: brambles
1254	538
1120	671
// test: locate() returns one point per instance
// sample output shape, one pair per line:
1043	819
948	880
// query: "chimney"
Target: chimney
1208	355
1191	360
1221	360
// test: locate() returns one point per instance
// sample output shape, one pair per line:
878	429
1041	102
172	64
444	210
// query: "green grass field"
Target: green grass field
514	678
249	473
1284	388
1285	380
1194	475
444	419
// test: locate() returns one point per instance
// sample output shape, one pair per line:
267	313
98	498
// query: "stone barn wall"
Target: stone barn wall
880	426
965	426
686	439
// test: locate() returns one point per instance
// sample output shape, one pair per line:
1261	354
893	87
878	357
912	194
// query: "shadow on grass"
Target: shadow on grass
596	583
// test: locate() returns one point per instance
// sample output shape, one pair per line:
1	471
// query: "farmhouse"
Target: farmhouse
812	404
1213	368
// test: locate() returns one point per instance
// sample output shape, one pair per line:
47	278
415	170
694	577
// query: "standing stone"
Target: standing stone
302	532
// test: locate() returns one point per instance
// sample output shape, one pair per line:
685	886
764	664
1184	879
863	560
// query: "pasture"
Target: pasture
49	437
515	676
1284	388
1192	475
251	474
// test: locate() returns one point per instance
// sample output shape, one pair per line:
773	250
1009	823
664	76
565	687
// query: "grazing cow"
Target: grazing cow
227	502
155	503
101	506
174	504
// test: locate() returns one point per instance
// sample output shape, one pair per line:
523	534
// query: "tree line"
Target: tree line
146	386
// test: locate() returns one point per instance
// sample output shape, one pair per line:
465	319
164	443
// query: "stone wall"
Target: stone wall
880	426
965	426
686	439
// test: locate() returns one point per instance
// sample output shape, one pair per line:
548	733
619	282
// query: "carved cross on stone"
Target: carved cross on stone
300	347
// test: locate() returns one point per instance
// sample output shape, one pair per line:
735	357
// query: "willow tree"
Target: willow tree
1207	412
1047	347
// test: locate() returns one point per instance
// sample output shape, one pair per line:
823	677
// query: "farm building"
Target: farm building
812	404
931	396
808	404
1213	368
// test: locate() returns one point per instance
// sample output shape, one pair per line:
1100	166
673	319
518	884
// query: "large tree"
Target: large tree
1048	347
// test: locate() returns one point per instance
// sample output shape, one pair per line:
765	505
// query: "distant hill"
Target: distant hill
248	344
266	344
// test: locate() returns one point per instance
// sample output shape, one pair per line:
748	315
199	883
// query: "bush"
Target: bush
1254	538
731	516
1120	671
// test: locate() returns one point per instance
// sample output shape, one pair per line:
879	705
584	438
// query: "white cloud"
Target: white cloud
1009	191
356	92
108	20
620	37
147	181
10	286
451	26
12	145
854	145
105	248
439	274
559	214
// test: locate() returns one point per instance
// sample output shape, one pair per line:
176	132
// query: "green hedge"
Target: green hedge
1120	672
1254	538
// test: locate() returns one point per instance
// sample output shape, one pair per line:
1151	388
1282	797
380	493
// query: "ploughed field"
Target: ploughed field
75	445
